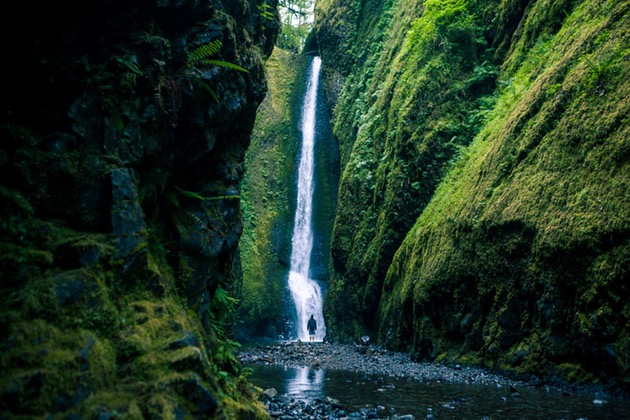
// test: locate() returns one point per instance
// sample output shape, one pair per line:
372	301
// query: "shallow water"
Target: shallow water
438	400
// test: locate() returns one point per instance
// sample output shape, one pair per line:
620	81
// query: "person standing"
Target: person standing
311	327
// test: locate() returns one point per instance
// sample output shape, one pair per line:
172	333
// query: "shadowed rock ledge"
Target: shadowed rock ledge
121	163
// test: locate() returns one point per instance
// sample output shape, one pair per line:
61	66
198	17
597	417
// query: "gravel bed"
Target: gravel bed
371	360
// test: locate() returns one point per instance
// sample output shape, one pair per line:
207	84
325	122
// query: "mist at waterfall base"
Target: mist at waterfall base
307	293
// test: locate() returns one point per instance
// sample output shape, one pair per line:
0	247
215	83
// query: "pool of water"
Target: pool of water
438	400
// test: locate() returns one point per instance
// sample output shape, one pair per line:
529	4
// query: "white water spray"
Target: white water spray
306	293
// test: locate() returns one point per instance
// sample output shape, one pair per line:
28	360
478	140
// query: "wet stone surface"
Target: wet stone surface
286	408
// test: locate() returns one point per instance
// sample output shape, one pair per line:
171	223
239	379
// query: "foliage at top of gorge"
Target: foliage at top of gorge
124	129
485	193
296	18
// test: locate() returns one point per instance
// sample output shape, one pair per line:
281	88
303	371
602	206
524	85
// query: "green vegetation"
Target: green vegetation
399	127
268	197
201	57
484	203
72	334
119	209
297	20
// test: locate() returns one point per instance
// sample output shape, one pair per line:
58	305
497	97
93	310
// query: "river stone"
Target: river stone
269	393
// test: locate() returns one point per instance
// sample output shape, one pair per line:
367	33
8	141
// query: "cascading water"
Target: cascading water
307	294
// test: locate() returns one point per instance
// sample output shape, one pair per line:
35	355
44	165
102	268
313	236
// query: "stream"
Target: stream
377	396
336	381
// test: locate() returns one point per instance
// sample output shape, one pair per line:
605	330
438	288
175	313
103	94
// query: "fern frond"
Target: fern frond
223	64
205	51
210	90
198	196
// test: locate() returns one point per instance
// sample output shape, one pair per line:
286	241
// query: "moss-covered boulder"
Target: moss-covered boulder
124	132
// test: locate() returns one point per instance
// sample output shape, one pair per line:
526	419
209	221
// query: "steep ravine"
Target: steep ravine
484	203
121	159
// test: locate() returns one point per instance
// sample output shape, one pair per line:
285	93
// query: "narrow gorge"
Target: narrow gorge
448	179
482	213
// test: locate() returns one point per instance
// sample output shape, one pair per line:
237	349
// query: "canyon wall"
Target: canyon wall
484	203
125	126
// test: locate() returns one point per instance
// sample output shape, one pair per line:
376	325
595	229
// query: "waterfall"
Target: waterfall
307	294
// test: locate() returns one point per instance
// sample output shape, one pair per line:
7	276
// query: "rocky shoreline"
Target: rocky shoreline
371	360
368	359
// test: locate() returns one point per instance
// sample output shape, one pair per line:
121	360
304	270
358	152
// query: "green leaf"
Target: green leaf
205	51
223	64
209	89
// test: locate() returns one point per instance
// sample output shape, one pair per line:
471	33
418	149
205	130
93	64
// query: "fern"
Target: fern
209	89
223	64
191	194
205	51
201	56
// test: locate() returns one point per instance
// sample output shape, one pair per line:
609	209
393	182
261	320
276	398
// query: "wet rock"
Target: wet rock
269	393
69	291
194	391
127	215
76	287
335	404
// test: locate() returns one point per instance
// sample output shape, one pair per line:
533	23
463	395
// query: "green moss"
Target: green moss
50	365
399	126
516	170
485	220
268	196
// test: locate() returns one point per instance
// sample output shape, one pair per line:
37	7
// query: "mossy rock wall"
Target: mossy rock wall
485	161
122	159
269	202
269	194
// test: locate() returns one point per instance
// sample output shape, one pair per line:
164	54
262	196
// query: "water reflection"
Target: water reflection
438	401
306	383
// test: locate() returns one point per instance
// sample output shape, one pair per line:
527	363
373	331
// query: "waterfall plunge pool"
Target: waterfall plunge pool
401	396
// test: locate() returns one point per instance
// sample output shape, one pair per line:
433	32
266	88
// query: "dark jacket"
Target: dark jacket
312	325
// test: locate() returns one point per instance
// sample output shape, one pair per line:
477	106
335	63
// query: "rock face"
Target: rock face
483	208
124	126
267	310
269	200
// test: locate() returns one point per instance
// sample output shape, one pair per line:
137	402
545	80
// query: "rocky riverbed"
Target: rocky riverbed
371	360
367	359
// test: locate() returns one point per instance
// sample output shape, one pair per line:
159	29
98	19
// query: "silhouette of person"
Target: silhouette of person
312	327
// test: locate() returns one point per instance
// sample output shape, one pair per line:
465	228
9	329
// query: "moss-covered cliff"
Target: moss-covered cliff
268	200
485	163
122	154
269	194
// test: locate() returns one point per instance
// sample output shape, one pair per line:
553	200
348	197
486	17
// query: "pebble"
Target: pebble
376	361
